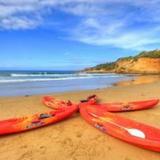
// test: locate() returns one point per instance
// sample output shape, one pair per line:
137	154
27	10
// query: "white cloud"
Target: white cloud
124	24
116	34
19	23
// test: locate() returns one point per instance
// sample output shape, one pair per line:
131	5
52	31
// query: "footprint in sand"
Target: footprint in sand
79	135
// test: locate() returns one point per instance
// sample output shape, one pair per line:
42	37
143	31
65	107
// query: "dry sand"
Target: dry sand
74	139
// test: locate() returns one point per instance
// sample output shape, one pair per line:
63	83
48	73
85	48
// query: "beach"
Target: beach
75	51
74	139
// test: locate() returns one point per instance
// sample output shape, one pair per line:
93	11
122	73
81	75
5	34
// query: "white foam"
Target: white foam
39	75
45	76
40	79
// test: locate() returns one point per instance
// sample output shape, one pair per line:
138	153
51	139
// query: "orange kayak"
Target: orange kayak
53	103
130	131
130	106
30	122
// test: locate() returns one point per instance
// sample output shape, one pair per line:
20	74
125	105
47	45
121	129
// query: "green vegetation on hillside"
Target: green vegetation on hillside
126	58
112	65
150	54
105	66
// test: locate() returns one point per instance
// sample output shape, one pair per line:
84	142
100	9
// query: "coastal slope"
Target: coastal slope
143	63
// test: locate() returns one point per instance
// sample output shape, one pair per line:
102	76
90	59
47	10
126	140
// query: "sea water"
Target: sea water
16	83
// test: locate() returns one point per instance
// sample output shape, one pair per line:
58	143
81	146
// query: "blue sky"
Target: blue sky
74	34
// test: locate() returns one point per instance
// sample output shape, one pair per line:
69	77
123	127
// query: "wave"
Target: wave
38	75
50	76
39	79
51	73
54	75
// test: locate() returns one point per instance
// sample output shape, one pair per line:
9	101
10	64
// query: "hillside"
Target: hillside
145	62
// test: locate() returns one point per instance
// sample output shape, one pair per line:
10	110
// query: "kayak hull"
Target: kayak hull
30	122
130	106
130	131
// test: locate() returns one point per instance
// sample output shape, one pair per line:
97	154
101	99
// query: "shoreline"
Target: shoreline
69	83
139	79
135	80
73	137
129	73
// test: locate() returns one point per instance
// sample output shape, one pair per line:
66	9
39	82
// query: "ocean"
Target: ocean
20	83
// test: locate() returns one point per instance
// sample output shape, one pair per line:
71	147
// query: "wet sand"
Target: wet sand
74	139
141	79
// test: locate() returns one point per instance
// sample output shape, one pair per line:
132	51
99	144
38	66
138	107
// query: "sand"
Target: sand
140	79
74	139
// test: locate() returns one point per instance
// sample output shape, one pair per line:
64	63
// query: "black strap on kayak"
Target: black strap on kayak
45	115
88	98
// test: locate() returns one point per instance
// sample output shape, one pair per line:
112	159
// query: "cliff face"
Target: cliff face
139	65
145	63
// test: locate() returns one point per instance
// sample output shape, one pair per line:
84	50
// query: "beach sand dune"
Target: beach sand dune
74	139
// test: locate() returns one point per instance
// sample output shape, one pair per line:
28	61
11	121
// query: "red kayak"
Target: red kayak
15	125
130	131
53	103
130	106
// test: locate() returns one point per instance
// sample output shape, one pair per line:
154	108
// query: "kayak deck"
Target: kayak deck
130	131
15	125
130	106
